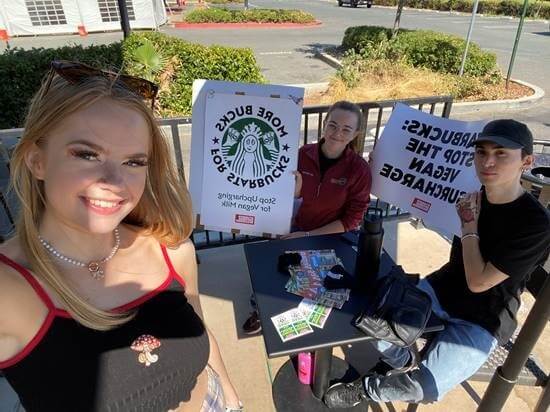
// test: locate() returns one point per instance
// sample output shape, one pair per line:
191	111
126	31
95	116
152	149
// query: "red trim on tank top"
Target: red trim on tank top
47	321
53	311
171	266
31	279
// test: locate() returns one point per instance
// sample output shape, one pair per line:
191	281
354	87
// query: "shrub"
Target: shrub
443	53
184	62
536	9
23	70
222	15
436	51
358	37
187	62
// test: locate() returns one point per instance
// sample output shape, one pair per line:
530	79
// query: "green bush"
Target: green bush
536	9
187	62
222	15
22	70
358	37
421	48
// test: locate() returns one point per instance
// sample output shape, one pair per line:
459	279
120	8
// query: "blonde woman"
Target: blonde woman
99	307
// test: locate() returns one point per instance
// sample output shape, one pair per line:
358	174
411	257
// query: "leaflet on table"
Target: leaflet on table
291	324
306	280
315	313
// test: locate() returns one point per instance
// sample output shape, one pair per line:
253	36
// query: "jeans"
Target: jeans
455	354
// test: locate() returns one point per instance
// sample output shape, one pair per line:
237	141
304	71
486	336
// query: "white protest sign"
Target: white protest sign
248	149
422	163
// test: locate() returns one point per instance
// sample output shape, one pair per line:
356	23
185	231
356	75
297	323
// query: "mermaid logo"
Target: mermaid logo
250	148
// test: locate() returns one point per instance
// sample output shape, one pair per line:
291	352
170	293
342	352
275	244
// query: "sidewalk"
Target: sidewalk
225	290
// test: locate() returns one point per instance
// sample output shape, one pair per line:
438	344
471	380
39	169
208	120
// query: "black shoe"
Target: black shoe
345	395
252	324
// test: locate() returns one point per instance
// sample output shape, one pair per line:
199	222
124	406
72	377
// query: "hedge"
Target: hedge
222	15
536	9
22	70
189	62
422	48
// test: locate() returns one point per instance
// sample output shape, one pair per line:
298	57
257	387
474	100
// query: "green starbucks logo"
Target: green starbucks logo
250	148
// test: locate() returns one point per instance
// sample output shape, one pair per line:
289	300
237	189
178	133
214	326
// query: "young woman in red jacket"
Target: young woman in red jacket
333	182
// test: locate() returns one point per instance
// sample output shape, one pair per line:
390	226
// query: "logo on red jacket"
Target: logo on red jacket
340	182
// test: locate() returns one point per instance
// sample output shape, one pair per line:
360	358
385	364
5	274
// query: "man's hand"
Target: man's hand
468	208
298	187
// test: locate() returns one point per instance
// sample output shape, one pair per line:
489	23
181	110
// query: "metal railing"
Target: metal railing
375	115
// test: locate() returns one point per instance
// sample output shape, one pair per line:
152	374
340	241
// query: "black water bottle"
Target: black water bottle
369	246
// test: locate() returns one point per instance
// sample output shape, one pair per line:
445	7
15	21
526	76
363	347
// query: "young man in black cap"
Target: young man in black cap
505	235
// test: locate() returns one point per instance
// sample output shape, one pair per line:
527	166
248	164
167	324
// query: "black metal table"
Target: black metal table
272	299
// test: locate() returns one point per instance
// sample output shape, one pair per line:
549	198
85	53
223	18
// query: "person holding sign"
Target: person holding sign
333	182
99	301
505	236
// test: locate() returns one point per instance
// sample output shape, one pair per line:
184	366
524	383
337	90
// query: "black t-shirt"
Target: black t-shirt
515	238
325	163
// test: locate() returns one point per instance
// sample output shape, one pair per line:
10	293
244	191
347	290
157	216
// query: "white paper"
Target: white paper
422	164
243	156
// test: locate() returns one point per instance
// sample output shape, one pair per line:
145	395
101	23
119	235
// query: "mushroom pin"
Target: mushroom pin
145	344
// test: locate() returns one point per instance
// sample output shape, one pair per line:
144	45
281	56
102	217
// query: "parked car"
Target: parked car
355	3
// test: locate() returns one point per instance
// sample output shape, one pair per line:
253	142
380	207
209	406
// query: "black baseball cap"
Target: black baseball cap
507	133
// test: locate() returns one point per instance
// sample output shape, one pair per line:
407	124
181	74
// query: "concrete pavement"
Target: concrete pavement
226	308
286	56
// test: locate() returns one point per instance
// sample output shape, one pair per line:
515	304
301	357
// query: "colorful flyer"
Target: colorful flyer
315	313
306	279
291	324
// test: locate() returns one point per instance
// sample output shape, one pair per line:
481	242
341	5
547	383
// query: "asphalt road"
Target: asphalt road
286	55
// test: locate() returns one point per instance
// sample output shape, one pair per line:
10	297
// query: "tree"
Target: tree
400	5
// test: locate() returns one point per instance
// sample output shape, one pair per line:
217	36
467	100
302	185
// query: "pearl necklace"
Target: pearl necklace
94	266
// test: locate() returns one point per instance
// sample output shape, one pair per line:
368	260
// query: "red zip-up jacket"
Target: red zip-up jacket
343	193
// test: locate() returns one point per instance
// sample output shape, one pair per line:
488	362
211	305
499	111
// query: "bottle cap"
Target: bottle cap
372	220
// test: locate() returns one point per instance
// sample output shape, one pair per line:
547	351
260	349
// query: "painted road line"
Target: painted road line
274	53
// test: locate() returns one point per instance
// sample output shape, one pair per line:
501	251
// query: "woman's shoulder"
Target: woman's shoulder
144	242
182	253
12	261
15	288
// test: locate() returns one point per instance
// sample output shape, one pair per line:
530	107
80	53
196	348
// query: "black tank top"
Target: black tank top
150	363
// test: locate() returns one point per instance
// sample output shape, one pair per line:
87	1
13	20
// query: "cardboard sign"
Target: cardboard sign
243	155
422	163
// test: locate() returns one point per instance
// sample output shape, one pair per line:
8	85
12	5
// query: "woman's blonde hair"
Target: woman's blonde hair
164	210
356	143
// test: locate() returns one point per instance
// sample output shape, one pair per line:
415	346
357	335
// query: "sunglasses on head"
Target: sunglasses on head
75	72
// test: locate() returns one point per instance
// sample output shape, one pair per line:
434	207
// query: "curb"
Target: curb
249	25
471	107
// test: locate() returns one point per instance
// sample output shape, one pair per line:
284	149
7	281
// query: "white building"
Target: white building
35	17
